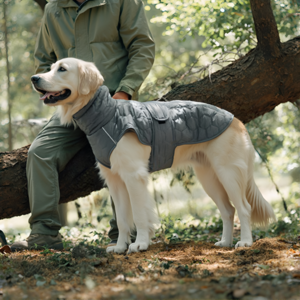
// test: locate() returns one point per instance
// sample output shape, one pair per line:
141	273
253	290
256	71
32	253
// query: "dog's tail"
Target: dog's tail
261	211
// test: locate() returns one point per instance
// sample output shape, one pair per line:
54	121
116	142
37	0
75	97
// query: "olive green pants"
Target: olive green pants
49	153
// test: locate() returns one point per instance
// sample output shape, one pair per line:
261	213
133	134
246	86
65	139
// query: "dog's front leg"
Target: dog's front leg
130	160
144	215
121	200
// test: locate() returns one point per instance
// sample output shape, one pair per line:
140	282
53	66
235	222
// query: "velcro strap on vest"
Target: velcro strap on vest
157	111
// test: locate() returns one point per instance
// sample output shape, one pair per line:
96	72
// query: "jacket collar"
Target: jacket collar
89	4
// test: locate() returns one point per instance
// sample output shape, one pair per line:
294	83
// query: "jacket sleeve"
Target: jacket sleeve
138	41
44	55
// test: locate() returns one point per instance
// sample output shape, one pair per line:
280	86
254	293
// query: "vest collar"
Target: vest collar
98	112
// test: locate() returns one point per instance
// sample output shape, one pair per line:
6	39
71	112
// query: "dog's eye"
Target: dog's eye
61	69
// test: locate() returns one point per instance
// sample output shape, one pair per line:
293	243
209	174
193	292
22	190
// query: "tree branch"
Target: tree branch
265	27
41	3
251	86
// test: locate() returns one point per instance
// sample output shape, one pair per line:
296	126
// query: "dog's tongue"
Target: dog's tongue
48	94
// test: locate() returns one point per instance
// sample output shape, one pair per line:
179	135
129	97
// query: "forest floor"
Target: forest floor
270	269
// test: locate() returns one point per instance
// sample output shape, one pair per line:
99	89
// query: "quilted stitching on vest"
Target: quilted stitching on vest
161	125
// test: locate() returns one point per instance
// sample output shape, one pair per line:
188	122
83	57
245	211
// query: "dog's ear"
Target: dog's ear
90	79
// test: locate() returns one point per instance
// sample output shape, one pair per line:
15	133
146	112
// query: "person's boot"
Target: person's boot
2	238
39	242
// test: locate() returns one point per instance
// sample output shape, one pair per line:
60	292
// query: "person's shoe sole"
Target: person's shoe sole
112	243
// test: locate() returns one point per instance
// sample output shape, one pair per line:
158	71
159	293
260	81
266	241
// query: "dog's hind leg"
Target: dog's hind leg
216	191
234	180
121	200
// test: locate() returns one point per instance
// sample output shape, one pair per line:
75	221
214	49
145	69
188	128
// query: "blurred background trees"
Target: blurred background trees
23	19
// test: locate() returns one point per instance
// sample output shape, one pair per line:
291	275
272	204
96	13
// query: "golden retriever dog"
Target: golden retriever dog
223	165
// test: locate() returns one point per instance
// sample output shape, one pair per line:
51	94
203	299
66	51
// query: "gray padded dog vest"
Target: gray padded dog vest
161	125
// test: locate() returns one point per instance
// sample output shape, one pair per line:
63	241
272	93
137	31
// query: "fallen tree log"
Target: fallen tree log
78	179
250	87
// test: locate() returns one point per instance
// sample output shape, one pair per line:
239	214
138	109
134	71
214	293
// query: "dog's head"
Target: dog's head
68	81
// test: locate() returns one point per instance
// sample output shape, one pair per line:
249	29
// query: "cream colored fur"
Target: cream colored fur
224	166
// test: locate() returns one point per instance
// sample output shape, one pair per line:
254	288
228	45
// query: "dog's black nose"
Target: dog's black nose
35	78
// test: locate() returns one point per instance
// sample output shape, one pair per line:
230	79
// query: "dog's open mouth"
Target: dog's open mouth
53	97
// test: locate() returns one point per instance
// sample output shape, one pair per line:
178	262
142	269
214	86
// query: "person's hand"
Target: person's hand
121	95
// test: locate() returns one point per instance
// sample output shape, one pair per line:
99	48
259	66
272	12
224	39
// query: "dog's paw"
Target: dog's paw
116	249
243	244
136	247
223	244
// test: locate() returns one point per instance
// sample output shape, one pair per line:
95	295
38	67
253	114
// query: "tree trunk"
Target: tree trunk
9	104
249	87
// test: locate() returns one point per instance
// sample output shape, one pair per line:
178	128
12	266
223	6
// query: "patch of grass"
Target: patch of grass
287	227
175	230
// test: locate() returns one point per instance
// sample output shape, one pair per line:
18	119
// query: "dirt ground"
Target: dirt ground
270	269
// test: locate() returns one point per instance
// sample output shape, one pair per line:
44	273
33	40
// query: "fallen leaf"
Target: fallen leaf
183	271
239	293
100	262
206	273
220	291
243	262
140	268
119	277
68	287
192	291
5	249
296	275
52	282
40	283
170	259
287	242
261	266
256	251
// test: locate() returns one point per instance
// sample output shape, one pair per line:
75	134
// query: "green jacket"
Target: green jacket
113	34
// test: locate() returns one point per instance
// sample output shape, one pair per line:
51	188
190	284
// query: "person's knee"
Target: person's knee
40	151
36	150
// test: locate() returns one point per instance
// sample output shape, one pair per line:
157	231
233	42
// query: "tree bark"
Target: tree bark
250	87
266	28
